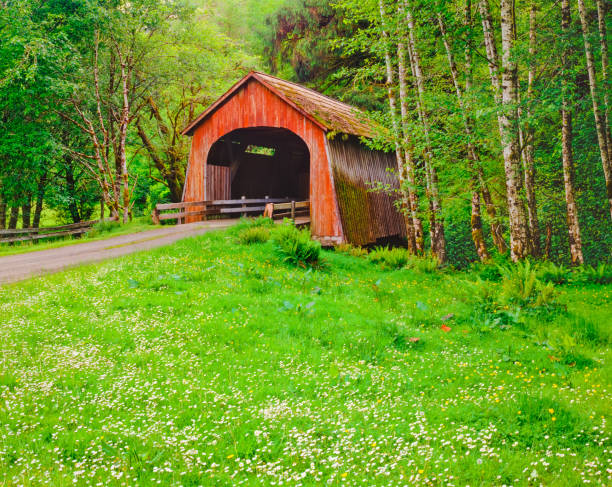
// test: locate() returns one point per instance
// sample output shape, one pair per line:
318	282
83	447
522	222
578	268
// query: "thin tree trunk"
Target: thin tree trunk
2	214
40	196
101	208
125	117
528	150
519	243
602	11
26	213
417	225
399	153
436	231
14	217
602	131
573	224
492	56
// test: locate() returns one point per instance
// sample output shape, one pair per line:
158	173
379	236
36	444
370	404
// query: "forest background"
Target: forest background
498	111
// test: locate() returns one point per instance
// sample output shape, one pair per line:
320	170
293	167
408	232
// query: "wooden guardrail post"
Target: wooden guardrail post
243	206
155	216
293	210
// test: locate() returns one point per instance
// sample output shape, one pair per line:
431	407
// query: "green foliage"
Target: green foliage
389	258
551	272
521	286
296	246
426	264
254	234
602	274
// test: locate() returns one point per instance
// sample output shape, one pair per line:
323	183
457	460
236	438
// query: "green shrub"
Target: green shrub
349	249
602	274
521	286
550	272
426	264
395	258
254	234
296	246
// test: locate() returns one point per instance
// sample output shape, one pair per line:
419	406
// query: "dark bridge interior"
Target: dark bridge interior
262	161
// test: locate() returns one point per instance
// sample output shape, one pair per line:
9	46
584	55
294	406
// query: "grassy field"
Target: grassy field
99	232
214	363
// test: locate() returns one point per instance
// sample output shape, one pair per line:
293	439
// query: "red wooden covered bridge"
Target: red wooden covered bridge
267	137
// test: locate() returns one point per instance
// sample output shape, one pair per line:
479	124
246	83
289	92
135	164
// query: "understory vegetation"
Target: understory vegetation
227	359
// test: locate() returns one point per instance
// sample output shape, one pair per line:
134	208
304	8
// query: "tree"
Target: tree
601	125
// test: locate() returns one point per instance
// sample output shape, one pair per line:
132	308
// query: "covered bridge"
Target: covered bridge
270	137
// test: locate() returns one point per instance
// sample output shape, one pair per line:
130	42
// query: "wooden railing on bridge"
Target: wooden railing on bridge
280	207
31	234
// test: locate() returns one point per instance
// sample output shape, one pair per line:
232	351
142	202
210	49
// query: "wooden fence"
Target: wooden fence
282	207
33	234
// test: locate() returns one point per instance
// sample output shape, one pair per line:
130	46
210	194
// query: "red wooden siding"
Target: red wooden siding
218	182
254	105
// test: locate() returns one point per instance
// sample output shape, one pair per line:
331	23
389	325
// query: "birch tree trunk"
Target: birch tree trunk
528	150
406	199
573	224
417	225
600	123
475	220
436	231
492	56
123	126
519	243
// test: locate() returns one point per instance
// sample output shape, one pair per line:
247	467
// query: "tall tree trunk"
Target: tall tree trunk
436	230
14	217
476	220
125	119
573	224
26	213
2	214
519	244
602	131
40	196
417	225
492	56
602	11
399	153
528	150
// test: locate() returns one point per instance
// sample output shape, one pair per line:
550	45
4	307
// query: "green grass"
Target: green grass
107	231
214	363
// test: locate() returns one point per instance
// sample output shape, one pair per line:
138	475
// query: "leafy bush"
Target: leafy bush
427	264
296	246
521	286
602	274
254	234
349	249
395	258
550	272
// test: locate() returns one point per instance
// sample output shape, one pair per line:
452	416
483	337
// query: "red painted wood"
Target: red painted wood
254	105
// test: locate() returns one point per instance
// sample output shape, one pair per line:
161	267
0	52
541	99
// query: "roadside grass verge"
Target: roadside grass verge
99	232
211	362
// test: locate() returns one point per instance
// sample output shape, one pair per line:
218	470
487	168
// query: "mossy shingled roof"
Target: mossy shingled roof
330	114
